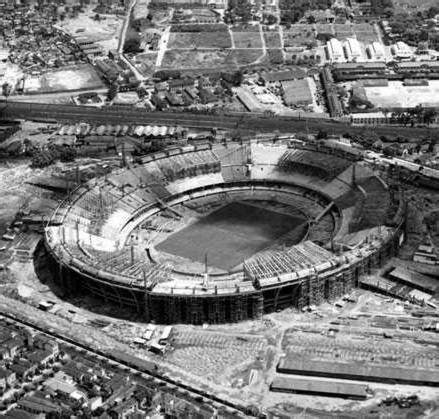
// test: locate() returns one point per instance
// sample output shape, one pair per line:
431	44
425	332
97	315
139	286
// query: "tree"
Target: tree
429	116
112	91
132	44
321	135
42	158
6	89
67	154
270	19
141	92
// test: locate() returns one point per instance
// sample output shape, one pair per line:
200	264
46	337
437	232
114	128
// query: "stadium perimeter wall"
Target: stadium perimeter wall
234	306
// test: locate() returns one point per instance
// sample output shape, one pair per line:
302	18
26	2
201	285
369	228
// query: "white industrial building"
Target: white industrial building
376	51
335	51
353	50
402	51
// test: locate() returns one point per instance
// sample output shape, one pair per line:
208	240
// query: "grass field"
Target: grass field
247	39
183	59
178	40
298	35
209	58
275	56
229	235
145	63
272	39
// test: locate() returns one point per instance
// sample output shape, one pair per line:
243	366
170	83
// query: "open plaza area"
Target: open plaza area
398	95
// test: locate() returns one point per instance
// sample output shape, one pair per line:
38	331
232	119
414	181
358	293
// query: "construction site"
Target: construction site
119	236
291	274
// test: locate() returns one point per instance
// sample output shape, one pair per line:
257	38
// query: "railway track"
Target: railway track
245	122
146	369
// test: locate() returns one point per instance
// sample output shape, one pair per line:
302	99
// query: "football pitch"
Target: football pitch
229	235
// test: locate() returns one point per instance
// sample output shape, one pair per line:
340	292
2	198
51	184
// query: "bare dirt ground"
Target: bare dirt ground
73	78
104	31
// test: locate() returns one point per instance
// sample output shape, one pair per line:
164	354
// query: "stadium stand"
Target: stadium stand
104	237
313	163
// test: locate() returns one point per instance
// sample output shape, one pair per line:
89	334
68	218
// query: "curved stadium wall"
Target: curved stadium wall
353	223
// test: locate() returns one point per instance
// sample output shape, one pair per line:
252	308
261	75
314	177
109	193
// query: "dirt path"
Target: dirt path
163	46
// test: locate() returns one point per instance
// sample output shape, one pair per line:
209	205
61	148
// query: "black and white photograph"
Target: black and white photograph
219	209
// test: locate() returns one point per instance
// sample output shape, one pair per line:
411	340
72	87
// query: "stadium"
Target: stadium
220	233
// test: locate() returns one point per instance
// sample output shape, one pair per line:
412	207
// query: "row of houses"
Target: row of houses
47	379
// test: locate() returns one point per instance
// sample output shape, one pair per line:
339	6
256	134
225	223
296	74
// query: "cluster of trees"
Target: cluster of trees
305	59
112	91
379	7
417	115
269	19
238	11
359	103
45	157
132	42
412	27
294	10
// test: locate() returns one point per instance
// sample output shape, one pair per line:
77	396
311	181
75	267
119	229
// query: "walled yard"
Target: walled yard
79	77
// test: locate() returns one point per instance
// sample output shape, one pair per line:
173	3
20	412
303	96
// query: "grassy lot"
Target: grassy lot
272	39
245	27
181	59
212	58
298	35
180	40
275	56
367	37
145	63
247	39
323	28
245	56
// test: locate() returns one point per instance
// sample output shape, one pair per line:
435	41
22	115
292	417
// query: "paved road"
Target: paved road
245	123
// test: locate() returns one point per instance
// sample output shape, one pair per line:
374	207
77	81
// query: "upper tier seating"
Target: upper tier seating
375	206
188	165
313	163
